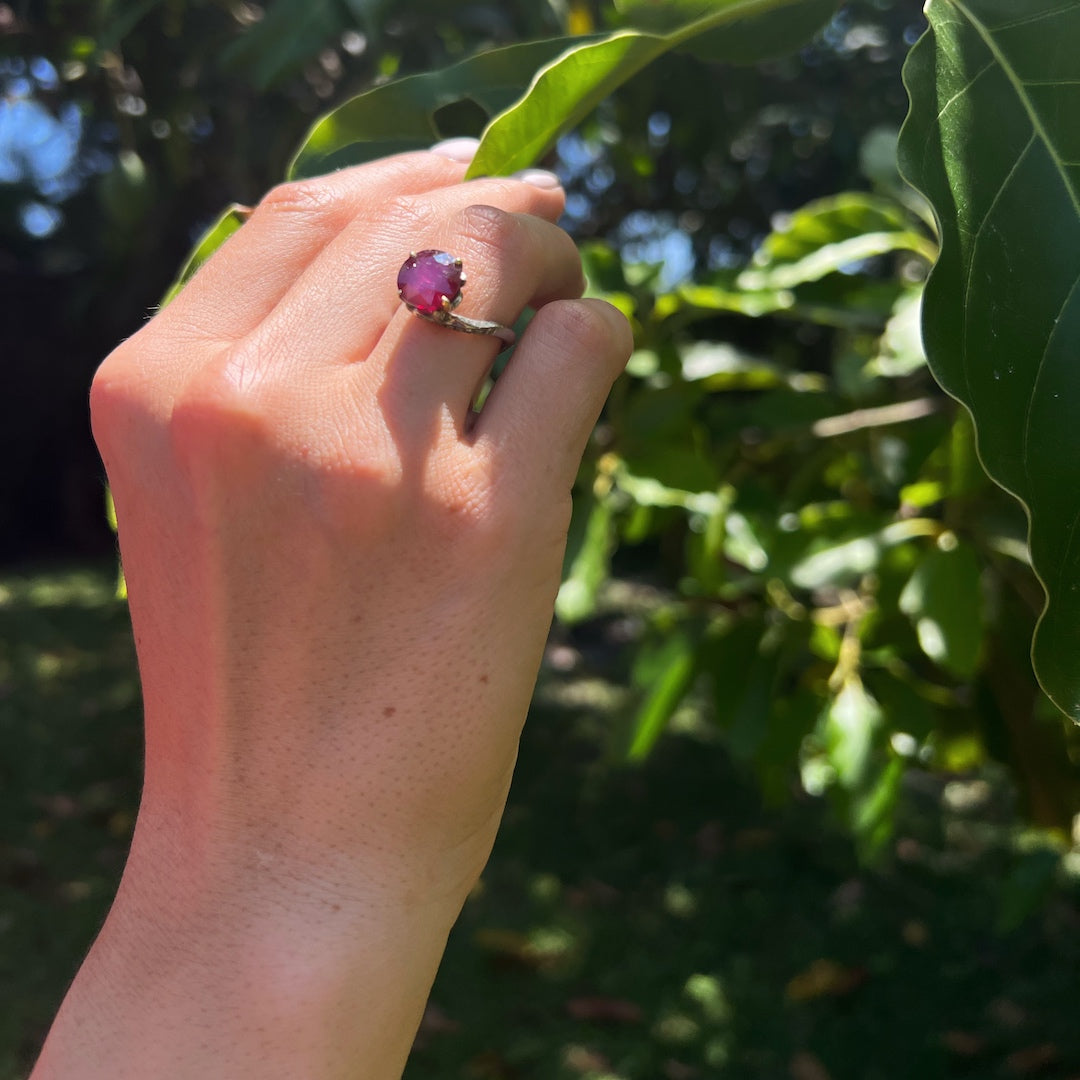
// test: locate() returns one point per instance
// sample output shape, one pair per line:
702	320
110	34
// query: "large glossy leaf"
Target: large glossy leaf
566	90
401	115
993	141
775	34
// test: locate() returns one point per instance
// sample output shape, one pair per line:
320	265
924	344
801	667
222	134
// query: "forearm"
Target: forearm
202	971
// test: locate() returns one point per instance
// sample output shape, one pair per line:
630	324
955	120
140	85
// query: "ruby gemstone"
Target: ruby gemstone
428	277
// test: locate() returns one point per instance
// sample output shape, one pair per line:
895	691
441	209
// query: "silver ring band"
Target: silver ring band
468	326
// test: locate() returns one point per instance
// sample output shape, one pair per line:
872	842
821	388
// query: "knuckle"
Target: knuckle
216	415
461	496
110	377
579	327
408	215
119	390
109	393
313	199
132	391
489	228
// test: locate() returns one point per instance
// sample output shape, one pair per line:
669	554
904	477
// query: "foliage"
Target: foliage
404	114
835	566
830	577
993	140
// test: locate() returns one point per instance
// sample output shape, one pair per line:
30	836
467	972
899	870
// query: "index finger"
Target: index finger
245	278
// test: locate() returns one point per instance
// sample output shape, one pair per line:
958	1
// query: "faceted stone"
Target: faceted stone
428	277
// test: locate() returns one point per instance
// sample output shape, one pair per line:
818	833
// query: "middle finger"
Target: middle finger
338	308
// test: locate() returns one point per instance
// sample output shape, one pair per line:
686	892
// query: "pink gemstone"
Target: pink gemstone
427	279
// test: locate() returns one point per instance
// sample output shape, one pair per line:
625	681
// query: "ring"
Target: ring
430	284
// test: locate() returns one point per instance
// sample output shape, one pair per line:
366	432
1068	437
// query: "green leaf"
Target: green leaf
850	726
944	601
837	564
775	34
742	545
993	140
872	811
588	556
854	302
722	295
901	349
864	776
567	89
675	665
721	366
828	235
562	94
400	115
791	719
211	240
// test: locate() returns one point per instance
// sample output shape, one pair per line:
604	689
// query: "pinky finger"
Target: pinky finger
539	416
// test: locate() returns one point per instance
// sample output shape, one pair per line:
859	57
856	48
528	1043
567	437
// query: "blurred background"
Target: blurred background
790	803
126	127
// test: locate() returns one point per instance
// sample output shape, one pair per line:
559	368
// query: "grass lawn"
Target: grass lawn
653	923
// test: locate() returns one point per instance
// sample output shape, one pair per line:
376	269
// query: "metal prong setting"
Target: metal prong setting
445	316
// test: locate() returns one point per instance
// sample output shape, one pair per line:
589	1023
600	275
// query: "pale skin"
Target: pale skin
340	587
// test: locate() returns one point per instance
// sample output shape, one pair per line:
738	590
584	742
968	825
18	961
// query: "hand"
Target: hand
340	588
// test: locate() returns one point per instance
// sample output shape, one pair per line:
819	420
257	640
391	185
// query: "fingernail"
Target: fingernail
540	178
461	149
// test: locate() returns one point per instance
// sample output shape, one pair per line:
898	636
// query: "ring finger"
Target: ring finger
514	261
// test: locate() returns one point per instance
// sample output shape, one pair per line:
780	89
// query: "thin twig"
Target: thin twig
900	413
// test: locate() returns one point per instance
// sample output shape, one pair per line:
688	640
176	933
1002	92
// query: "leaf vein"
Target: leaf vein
1025	453
1026	20
1018	86
960	93
936	126
971	261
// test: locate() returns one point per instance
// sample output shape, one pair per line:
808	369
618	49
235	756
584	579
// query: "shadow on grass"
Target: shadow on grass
643	923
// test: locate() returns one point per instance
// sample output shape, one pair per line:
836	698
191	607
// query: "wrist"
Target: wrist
208	967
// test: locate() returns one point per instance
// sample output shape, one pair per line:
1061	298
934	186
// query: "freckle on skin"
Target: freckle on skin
484	678
389	710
